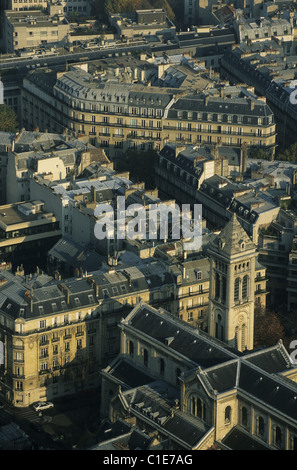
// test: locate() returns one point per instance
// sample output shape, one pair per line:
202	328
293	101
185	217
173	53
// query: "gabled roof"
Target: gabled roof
239	439
195	346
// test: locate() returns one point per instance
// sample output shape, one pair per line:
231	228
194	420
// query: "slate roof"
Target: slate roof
128	374
239	439
192	158
235	106
194	345
231	238
256	373
75	255
152	401
39	296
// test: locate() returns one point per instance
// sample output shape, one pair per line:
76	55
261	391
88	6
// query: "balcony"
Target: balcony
79	333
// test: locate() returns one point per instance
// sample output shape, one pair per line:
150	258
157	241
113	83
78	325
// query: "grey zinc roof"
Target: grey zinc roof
239	439
222	377
272	360
156	402
191	343
257	373
270	389
224	106
128	374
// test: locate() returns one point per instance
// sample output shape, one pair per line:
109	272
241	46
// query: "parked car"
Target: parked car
42	405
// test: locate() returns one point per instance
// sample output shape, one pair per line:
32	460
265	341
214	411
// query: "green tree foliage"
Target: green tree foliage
8	119
289	154
122	6
260	154
128	6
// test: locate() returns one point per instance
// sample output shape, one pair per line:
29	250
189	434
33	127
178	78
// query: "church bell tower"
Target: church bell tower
232	277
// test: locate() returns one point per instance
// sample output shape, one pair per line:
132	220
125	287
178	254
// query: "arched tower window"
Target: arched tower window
217	286
243	337
245	282
224	289
219	328
236	289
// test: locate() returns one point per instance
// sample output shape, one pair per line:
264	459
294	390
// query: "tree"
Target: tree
128	6
260	154
289	154
8	119
268	328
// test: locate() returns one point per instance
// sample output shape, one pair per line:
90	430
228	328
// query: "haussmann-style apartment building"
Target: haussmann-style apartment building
118	116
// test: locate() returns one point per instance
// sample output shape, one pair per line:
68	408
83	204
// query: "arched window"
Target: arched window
261	426
193	406
219	328
236	337
228	415
243	337
244	416
224	289
217	286
199	408
162	367
245	287
145	358
131	348
278	436
236	290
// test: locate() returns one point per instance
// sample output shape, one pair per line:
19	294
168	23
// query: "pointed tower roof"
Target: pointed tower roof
233	239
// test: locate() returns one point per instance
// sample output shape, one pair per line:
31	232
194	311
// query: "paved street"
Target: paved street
72	423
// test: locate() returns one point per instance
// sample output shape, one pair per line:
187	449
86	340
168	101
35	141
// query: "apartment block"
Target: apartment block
56	334
25	154
270	69
32	28
119	116
82	7
27	232
142	23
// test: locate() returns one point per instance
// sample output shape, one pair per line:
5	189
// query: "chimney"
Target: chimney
93	193
30	300
65	291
